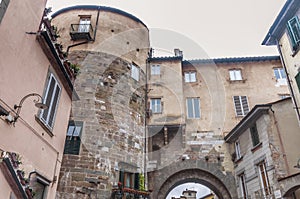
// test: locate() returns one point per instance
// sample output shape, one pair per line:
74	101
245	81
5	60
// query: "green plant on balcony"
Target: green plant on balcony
75	68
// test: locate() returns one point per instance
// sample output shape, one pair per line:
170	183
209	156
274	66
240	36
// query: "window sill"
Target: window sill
237	81
255	148
237	161
47	129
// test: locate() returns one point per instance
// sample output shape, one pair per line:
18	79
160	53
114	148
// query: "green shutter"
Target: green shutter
293	27
136	181
254	135
297	77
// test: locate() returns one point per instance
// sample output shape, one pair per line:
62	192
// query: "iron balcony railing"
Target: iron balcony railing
81	31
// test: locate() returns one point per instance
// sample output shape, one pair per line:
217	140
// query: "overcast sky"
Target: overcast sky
220	28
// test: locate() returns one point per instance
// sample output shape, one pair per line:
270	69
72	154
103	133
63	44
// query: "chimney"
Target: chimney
178	52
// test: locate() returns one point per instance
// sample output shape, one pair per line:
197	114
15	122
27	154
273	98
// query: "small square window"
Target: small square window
155	105
235	75
190	76
155	70
72	143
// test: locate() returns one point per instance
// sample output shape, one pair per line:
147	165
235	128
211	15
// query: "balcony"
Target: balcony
81	32
124	193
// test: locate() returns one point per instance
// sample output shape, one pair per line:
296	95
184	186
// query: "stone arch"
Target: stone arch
198	171
290	185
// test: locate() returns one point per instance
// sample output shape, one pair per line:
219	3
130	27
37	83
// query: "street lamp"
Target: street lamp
38	103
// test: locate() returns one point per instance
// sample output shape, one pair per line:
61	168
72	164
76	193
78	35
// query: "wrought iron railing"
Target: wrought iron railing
81	31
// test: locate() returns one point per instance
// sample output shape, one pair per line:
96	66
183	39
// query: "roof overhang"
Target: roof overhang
247	121
279	25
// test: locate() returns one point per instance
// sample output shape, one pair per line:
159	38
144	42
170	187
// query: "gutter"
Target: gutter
288	78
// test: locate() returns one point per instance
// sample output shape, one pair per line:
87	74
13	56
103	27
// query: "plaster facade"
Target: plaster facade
26	69
280	36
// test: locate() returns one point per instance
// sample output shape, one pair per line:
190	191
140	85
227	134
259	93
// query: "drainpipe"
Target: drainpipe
146	128
85	42
288	78
280	141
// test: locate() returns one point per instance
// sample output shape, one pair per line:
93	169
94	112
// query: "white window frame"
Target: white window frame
156	105
243	107
84	24
155	69
190	76
193	115
243	186
263	174
235	74
50	104
237	149
135	72
280	72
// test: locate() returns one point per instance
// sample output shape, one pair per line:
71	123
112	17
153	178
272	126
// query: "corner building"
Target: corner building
105	138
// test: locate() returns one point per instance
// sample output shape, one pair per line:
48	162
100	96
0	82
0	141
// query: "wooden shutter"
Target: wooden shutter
237	105
245	105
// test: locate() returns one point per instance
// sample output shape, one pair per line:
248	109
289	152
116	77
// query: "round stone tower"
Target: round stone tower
106	135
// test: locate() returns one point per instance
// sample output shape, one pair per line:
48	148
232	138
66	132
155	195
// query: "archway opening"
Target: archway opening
191	190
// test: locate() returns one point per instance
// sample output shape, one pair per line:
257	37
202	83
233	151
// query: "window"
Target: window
264	180
293	27
72	143
193	107
190	76
241	105
3	8
254	135
155	105
235	74
243	188
51	99
39	185
84	24
237	149
279	73
297	77
129	180
135	72
155	70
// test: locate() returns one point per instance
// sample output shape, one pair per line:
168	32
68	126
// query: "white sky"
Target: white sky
222	28
201	28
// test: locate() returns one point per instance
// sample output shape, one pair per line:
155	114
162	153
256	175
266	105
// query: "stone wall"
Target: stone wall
111	107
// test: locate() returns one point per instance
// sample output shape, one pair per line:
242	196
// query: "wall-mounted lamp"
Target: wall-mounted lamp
38	103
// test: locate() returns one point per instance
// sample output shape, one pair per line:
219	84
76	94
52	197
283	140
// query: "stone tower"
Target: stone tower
105	138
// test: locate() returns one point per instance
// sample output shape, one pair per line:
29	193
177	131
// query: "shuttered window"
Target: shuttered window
72	143
243	187
237	149
254	135
264	179
241	105
51	99
293	27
